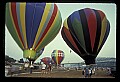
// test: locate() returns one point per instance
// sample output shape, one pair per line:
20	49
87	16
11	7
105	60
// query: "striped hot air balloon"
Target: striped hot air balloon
85	32
32	25
38	54
57	56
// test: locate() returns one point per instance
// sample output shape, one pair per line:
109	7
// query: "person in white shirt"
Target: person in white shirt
90	72
43	68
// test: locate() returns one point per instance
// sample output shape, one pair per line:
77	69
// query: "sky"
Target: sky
108	49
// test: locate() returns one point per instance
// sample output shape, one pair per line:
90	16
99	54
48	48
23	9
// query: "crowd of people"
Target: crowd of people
88	72
46	68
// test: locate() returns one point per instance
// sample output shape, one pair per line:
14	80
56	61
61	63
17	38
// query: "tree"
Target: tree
9	59
21	60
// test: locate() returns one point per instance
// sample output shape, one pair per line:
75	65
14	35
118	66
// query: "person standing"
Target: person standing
31	67
43	68
90	72
50	67
86	73
93	71
83	71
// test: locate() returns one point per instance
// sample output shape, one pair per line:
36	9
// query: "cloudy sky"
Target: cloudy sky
108	50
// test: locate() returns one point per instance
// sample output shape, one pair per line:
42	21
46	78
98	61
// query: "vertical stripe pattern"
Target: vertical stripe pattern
31	24
57	56
85	31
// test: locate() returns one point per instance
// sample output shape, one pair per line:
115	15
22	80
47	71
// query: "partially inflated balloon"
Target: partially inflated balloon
32	25
85	32
57	56
46	60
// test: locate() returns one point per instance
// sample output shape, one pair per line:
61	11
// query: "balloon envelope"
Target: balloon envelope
32	25
57	56
46	60
85	32
37	55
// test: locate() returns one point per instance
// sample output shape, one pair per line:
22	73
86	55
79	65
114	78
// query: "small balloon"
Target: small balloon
57	56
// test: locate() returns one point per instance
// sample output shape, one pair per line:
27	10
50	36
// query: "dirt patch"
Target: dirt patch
65	74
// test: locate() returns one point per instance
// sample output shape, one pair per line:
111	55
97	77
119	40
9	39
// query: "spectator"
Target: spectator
50	67
86	73
83	72
31	67
43	68
90	72
93	71
108	71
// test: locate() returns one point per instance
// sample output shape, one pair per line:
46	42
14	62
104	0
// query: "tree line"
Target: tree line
10	59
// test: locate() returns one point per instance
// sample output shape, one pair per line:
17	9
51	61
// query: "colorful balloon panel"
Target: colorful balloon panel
39	53
57	56
46	60
33	25
85	32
